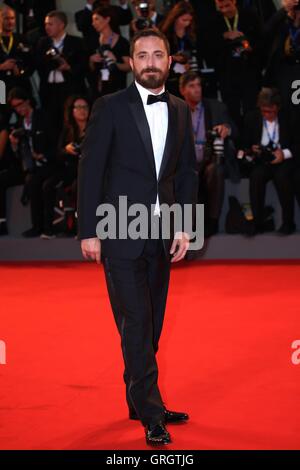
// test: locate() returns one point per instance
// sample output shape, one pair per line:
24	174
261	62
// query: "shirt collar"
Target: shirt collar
144	92
197	108
89	6
60	41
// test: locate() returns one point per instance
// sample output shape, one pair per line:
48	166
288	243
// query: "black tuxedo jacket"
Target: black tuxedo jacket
288	132
118	160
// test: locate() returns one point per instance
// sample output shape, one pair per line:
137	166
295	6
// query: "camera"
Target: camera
214	147
54	58
22	55
263	156
76	148
108	62
240	47
143	21
19	133
24	149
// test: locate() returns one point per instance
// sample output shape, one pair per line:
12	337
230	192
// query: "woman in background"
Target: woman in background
180	28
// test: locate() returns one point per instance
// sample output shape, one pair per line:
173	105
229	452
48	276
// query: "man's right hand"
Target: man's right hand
8	64
91	249
289	5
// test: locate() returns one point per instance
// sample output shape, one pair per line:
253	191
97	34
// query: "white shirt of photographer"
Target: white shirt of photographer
56	76
158	120
273	129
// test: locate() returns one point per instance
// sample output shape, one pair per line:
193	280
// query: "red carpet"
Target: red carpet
225	357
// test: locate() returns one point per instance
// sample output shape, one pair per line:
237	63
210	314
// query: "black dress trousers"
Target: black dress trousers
138	290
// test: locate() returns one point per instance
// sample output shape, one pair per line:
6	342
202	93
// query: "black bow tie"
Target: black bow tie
164	97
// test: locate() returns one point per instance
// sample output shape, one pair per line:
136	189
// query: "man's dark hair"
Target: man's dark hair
269	97
20	94
188	77
146	33
61	15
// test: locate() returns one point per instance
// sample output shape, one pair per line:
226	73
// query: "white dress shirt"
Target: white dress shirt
56	76
273	131
158	119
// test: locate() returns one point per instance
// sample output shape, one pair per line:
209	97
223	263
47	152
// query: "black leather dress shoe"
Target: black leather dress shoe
170	416
157	434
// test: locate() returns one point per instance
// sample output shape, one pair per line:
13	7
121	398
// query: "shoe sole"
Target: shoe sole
156	444
179	421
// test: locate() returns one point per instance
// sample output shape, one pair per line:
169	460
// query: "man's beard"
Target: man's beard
153	81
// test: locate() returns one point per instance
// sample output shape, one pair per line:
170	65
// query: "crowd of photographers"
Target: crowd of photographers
235	62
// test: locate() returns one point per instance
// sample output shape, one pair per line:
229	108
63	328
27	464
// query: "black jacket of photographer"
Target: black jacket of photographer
74	52
215	114
231	69
39	139
276	33
289	136
24	59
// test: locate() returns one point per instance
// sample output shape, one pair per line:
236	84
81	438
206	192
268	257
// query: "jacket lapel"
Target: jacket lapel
172	119
139	115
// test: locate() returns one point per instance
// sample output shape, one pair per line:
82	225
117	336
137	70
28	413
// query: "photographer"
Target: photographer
33	12
180	28
270	145
32	147
61	61
110	62
147	16
213	131
84	19
16	62
237	39
283	65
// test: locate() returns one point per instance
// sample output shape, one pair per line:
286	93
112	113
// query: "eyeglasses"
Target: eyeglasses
18	105
81	106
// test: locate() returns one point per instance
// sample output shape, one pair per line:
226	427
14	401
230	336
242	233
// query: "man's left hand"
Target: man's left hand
64	67
222	130
179	246
279	157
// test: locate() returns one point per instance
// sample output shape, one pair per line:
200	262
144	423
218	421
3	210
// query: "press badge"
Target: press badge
105	75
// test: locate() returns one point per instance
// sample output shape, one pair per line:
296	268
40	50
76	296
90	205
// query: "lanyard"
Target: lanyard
181	43
59	46
196	131
110	40
10	44
235	23
294	34
273	136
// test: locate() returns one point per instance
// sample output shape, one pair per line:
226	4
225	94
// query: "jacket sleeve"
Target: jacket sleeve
186	179
92	167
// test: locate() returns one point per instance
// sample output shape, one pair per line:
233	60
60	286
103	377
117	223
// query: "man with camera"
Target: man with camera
271	143
213	130
31	163
237	39
16	63
146	16
61	61
283	63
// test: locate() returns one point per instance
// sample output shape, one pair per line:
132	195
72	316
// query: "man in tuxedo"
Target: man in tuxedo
139	144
